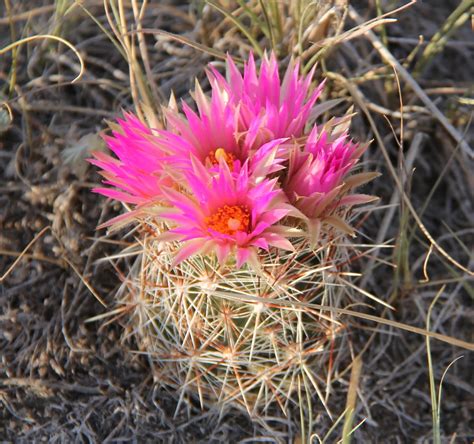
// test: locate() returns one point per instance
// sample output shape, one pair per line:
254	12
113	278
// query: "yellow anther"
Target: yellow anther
215	157
229	219
221	154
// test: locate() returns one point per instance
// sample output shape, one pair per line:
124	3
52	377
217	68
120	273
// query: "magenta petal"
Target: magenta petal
222	252
117	195
243	255
279	241
188	249
261	242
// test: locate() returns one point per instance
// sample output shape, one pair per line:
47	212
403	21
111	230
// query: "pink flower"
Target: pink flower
279	109
226	213
224	174
316	171
212	133
148	159
137	171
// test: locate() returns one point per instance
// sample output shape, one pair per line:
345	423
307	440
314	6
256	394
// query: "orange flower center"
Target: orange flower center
220	153
229	219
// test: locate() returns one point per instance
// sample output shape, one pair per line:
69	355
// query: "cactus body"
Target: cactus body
228	335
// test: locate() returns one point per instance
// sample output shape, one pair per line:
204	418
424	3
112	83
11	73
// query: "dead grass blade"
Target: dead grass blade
351	400
361	29
239	25
185	41
315	308
388	57
434	403
22	41
412	154
115	11
360	102
27	15
23	253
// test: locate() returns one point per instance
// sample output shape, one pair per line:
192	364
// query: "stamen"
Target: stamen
214	157
229	219
221	154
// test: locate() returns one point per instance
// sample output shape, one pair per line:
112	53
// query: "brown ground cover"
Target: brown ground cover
64	379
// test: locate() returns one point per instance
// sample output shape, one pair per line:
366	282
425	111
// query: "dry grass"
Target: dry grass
65	379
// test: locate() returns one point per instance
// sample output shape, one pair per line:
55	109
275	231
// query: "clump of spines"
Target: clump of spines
240	335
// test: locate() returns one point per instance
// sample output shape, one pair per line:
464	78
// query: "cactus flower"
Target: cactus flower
318	169
149	158
137	171
225	213
228	172
281	109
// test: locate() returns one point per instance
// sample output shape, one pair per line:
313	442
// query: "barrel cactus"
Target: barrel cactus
243	206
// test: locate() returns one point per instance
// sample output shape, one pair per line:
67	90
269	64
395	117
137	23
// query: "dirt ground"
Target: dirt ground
65	379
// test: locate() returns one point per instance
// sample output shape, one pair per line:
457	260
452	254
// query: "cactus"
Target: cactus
243	216
241	335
